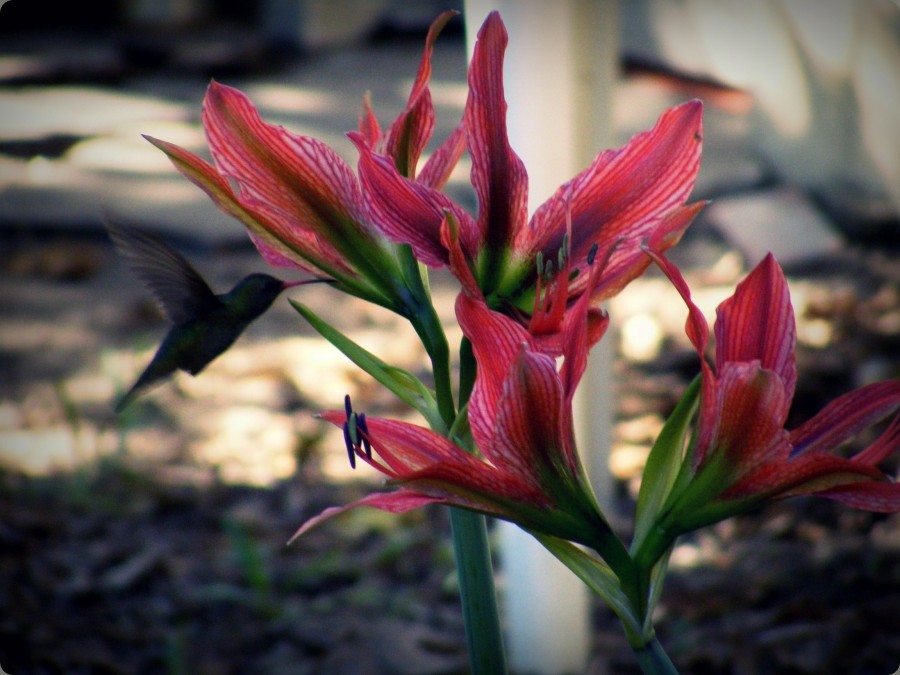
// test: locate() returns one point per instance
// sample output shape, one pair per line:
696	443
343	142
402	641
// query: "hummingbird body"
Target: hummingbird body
203	324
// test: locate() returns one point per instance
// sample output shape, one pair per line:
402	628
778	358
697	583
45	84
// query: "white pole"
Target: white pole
559	72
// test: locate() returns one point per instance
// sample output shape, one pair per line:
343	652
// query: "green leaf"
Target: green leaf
664	463
657	579
599	577
406	386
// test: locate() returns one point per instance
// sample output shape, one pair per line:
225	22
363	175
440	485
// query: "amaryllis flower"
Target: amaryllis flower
624	197
742	453
526	469
301	202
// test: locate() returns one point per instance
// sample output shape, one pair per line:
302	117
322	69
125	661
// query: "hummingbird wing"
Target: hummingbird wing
177	287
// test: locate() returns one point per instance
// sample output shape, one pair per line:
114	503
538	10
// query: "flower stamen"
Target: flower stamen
356	434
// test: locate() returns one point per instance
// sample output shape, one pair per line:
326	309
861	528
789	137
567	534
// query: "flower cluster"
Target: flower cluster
501	442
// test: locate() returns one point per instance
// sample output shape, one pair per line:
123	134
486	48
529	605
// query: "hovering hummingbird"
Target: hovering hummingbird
203	324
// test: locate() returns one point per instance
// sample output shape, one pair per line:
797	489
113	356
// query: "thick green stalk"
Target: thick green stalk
470	541
478	595
653	659
428	327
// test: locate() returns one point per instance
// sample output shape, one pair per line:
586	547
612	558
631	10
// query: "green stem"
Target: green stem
428	327
466	370
470	541
476	588
653	659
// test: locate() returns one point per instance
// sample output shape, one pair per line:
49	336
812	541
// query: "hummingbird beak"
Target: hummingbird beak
304	282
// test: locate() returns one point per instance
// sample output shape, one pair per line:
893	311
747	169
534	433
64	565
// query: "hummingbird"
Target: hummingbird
204	324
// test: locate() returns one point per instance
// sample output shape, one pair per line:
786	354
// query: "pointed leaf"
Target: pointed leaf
664	462
598	576
406	386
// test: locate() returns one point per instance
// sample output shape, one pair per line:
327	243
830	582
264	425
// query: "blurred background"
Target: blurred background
154	541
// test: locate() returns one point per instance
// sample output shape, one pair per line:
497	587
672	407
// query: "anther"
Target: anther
352	429
351	451
348	409
363	427
356	433
592	254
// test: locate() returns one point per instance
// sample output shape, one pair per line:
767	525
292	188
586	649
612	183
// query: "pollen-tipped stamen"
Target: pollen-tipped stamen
363	430
356	433
351	451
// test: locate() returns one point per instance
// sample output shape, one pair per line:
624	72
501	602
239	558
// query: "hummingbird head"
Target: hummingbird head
255	293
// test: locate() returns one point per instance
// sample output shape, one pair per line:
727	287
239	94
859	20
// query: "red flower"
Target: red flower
623	198
520	415
742	453
301	202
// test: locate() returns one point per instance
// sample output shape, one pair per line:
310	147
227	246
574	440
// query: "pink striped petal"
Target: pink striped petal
498	175
441	163
496	340
406	211
430	464
846	416
806	475
301	250
628	261
298	177
410	132
879	496
696	327
489	489
400	501
757	323
747	430
459	264
583	327
403	447
625	193
368	126
697	331
532	433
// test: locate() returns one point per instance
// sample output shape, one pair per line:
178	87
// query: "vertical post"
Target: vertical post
559	72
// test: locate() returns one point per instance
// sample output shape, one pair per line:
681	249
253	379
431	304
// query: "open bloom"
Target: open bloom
301	202
624	197
742	454
520	414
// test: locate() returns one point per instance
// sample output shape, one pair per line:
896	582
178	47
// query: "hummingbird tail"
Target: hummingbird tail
148	379
127	399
